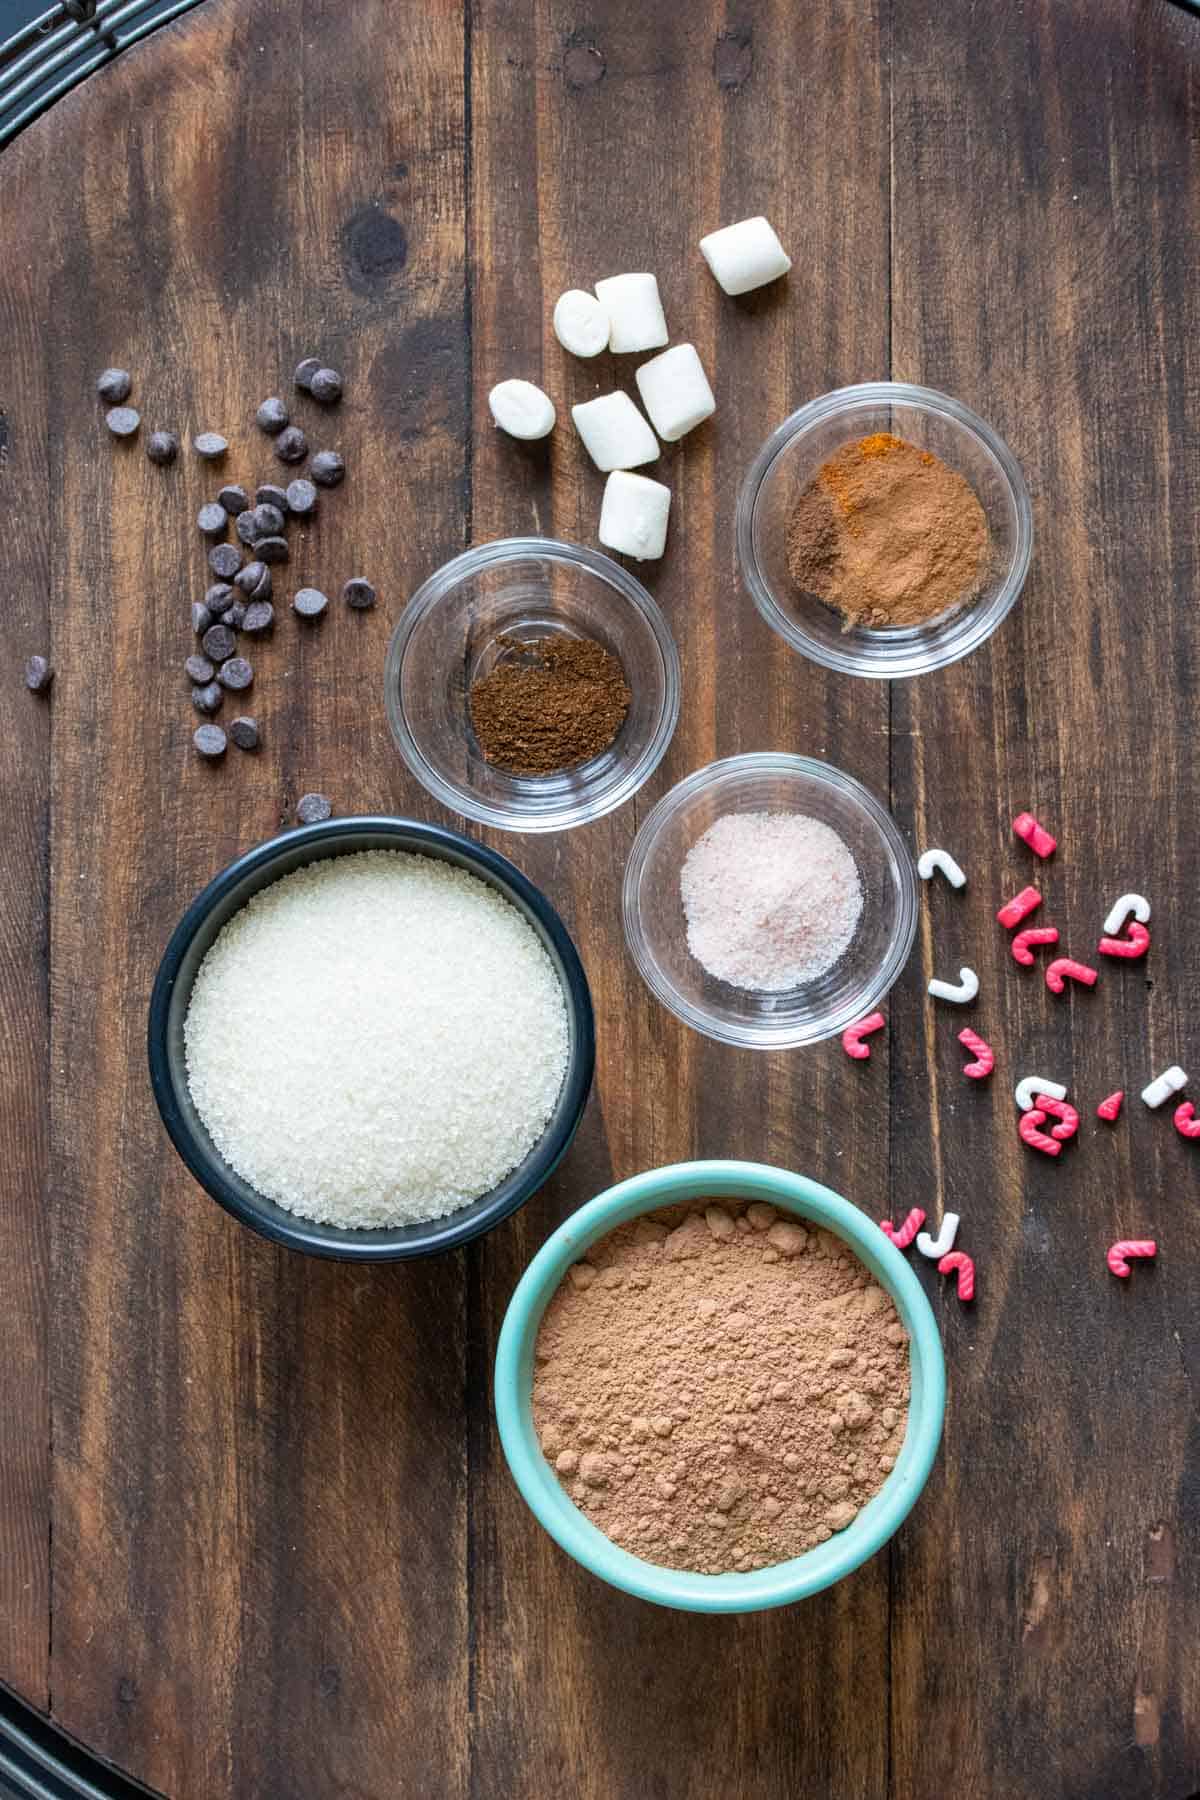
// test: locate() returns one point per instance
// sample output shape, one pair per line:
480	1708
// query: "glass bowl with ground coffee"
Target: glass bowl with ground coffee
719	1386
884	530
532	685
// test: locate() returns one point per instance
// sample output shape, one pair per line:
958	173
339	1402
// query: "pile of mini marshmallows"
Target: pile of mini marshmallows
625	315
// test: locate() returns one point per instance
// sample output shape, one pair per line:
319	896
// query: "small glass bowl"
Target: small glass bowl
656	925
449	636
789	460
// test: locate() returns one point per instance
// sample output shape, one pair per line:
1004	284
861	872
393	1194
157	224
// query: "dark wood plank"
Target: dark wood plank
25	728
259	1513
1046	207
596	150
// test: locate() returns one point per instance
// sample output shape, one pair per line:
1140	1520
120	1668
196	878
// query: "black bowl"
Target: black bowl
189	944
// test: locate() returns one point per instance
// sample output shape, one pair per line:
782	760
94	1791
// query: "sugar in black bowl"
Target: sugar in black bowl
371	1039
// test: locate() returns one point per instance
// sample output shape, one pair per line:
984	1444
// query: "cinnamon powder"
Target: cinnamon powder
888	534
720	1390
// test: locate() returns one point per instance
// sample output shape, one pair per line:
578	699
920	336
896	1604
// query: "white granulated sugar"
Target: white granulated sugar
376	1039
772	899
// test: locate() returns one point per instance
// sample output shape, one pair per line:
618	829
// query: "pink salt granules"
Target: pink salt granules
772	899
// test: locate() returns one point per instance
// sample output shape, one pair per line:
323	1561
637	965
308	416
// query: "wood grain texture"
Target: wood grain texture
1039	244
640	136
287	1559
25	726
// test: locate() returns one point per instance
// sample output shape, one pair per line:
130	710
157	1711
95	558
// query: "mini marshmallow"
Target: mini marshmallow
522	409
635	314
633	517
614	433
1166	1084
675	391
581	324
745	256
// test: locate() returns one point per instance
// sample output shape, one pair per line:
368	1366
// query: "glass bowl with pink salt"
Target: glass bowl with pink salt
833	1241
901	565
770	901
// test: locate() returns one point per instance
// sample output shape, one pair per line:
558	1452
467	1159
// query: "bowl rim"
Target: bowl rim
975	624
781	1583
349	1244
768	762
465	800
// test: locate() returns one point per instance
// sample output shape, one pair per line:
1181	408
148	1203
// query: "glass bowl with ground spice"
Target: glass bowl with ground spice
532	685
884	530
720	1387
769	901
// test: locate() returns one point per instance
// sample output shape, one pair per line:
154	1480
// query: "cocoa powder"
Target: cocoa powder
888	534
550	703
720	1390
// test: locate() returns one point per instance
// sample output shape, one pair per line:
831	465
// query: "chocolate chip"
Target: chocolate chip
270	495
246	527
235	617
271	549
358	593
114	386
213	520
260	616
209	741
328	468
218	642
233	498
201	617
244	732
305	371
312	808
326	386
38	674
207	699
254	581
310	603
122	421
236	674
225	560
219	598
210	445
162	446
199	670
301	497
291	446
269	519
271	416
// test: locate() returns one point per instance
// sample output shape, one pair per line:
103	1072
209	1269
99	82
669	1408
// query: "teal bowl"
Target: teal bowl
782	1582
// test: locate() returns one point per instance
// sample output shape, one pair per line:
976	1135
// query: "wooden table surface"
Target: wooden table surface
258	1536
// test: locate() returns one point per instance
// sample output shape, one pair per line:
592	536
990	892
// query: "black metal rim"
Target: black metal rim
40	1762
53	53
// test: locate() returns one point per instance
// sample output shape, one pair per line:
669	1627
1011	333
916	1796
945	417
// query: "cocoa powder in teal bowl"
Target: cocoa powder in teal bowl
738	1184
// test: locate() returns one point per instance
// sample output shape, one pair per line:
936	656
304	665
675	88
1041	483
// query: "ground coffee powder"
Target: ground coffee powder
548	704
720	1390
887	534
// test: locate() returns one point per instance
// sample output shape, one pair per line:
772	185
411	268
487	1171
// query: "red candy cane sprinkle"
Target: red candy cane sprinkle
1064	969
1023	943
1033	834
985	1060
1028	1129
1110	1109
1063	1111
1186	1122
907	1232
1135	943
853	1035
960	1261
1019	907
1120	1252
